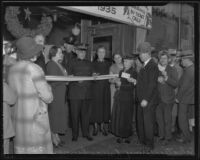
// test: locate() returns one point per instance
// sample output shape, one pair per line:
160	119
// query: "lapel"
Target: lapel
148	64
60	72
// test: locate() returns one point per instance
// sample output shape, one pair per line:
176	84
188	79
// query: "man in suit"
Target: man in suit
167	82
185	95
147	94
80	94
40	39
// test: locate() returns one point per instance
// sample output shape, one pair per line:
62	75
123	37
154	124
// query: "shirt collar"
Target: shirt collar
147	61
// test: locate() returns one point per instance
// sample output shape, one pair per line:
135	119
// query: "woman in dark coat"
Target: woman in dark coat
122	115
101	111
58	108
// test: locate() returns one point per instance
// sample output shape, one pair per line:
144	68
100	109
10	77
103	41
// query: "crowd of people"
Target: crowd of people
154	90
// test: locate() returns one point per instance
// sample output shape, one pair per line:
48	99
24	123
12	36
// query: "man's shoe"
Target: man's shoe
183	141
89	138
119	140
74	139
127	141
166	142
104	132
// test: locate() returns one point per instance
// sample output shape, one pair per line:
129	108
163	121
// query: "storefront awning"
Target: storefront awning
140	16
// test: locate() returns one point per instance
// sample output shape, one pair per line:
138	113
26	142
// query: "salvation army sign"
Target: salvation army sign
140	16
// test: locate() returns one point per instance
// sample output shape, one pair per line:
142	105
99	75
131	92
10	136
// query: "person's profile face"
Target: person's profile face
59	54
68	47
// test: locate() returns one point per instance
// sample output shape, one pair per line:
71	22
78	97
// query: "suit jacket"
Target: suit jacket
186	86
41	62
67	59
167	90
147	86
81	90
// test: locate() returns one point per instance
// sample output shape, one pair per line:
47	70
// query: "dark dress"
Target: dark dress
122	115
58	109
101	110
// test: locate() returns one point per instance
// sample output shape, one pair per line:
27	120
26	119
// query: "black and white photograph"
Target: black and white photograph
100	79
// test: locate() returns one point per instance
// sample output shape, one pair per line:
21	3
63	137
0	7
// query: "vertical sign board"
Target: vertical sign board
140	16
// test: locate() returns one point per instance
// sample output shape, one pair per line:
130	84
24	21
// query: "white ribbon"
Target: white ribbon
80	78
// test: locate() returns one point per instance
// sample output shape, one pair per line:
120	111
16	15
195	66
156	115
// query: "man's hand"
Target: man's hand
95	75
176	100
132	80
161	79
144	103
118	83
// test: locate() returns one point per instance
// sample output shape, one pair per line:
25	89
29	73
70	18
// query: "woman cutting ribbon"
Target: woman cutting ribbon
58	108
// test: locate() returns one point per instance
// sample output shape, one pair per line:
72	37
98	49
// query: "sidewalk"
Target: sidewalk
108	145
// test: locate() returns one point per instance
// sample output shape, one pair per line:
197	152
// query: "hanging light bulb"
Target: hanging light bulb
76	30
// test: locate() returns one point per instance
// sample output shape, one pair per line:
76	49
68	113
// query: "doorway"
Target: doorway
105	41
102	34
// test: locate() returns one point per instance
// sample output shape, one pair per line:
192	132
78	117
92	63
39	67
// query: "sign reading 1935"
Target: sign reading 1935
107	9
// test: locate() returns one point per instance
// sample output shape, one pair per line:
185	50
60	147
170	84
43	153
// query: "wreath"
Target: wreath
17	29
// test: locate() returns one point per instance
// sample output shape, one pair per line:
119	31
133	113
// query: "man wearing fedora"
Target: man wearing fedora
68	51
147	95
80	94
185	95
33	94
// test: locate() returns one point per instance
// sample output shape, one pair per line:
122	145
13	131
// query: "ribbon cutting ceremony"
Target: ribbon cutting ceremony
100	79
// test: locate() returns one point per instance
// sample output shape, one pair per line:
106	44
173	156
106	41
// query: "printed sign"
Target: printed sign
140	16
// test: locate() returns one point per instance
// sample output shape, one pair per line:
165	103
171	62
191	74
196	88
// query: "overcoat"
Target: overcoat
31	121
9	98
123	108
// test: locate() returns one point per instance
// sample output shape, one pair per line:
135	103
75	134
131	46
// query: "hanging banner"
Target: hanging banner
140	16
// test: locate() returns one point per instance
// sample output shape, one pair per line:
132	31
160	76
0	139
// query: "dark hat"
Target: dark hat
144	47
187	54
81	46
27	48
69	40
172	52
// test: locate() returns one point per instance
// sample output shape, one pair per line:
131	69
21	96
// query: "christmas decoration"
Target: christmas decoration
17	29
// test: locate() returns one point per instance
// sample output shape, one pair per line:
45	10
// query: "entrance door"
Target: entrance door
103	34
